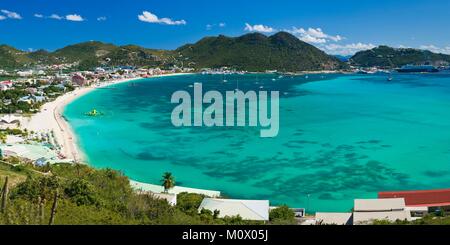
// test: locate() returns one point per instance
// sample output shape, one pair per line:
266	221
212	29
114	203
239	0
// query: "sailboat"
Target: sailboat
237	86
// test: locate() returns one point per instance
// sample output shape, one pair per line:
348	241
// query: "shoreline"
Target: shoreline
50	119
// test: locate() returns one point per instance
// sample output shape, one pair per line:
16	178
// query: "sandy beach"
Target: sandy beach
50	120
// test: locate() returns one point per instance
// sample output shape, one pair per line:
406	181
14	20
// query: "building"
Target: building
170	198
368	210
9	121
420	202
79	80
334	218
257	210
6	85
429	198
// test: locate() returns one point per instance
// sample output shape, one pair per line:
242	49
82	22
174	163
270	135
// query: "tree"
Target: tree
282	213
168	181
5	192
189	202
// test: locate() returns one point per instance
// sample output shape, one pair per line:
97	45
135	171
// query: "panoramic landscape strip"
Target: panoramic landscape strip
261	125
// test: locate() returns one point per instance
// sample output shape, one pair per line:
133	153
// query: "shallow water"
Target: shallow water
341	137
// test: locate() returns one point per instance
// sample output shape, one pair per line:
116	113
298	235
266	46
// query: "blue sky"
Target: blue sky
338	27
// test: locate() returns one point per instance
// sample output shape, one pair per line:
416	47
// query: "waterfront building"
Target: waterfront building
247	209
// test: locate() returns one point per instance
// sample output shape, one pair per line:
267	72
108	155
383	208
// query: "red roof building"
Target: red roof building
431	198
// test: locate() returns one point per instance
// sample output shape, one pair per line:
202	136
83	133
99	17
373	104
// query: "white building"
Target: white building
170	198
368	210
333	218
246	209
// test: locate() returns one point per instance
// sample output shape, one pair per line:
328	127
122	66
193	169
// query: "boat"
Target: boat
417	69
93	113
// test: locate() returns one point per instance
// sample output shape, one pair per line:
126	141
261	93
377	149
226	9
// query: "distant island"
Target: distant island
387	57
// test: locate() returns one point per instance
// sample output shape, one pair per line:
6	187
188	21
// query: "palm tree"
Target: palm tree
168	181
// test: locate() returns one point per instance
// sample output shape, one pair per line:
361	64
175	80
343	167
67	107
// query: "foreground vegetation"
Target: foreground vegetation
79	194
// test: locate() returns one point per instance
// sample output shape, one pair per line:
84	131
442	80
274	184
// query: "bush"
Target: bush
81	192
189	202
282	214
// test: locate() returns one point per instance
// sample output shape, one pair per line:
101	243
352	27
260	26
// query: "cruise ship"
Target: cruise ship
417	68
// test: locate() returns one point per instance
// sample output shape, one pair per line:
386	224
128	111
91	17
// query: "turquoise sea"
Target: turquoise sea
341	137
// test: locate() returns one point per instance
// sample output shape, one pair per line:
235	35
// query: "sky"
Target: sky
337	27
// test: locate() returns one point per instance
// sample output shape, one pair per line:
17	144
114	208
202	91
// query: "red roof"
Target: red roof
431	198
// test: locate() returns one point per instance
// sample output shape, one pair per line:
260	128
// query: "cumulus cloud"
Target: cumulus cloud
11	15
38	15
258	28
314	35
101	18
147	16
347	49
56	17
74	17
435	49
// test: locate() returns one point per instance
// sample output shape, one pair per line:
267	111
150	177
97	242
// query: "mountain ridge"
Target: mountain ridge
385	56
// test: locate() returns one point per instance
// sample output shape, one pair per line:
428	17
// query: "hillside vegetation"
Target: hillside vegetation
252	52
88	196
384	56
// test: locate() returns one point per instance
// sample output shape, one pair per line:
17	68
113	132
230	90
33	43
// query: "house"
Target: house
170	198
41	162
79	80
6	85
32	99
421	202
368	210
257	210
334	218
9	119
31	90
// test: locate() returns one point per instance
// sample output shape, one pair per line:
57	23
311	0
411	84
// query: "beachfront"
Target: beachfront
50	120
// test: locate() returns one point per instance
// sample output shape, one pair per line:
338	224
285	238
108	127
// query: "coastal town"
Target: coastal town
33	131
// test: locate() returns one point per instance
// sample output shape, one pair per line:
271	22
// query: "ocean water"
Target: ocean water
341	137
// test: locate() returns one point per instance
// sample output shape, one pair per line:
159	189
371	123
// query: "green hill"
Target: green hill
12	58
257	52
252	52
384	56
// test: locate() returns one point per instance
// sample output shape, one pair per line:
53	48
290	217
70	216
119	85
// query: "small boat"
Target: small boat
390	79
273	79
93	113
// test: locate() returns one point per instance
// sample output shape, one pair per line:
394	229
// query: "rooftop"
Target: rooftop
429	198
247	209
379	205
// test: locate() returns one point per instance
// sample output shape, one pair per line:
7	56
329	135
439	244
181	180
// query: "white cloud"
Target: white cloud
435	49
101	18
152	18
347	49
56	17
2	17
38	15
258	28
74	17
211	26
314	35
11	15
